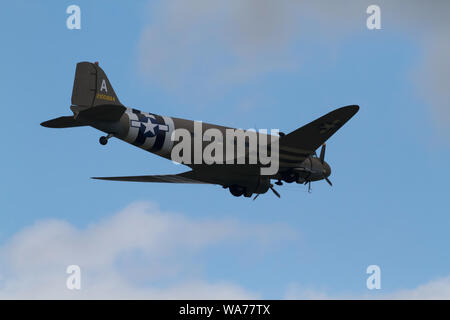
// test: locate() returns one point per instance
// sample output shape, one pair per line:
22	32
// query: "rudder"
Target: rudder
91	87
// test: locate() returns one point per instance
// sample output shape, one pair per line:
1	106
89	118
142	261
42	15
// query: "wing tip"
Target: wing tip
348	111
353	108
46	124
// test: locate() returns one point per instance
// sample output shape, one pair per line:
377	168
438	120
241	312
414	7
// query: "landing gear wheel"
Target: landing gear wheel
236	190
103	140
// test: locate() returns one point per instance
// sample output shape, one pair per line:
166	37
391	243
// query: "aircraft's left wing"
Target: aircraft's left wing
301	143
185	177
314	134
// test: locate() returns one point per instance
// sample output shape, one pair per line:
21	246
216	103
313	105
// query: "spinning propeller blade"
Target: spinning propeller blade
274	191
322	153
322	159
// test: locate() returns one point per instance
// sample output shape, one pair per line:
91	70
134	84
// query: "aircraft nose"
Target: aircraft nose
327	169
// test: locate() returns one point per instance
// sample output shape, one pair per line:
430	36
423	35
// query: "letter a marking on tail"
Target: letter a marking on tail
103	86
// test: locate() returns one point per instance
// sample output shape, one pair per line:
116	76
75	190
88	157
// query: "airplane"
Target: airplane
94	103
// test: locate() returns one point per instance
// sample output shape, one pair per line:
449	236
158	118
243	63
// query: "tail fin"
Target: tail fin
91	87
93	99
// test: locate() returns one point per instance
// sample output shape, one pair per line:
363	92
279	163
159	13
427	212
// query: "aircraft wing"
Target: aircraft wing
185	177
211	174
300	143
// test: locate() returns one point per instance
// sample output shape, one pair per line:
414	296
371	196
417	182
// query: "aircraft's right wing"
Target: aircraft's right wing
185	177
210	174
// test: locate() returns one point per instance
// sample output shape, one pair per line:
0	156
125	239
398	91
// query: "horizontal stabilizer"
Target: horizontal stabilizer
108	113
63	122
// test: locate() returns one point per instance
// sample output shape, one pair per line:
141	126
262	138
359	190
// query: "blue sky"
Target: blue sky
388	204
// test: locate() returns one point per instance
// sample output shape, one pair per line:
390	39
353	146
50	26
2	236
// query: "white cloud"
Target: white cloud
144	253
438	289
203	45
296	292
139	252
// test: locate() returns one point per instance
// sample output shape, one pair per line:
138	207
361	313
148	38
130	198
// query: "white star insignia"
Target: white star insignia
149	126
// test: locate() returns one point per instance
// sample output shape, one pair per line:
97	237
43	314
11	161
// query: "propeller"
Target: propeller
308	182
322	153
273	190
322	160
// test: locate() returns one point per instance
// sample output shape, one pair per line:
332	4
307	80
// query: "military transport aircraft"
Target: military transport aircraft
95	104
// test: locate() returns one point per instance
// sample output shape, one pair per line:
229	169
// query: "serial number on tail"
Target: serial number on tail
105	97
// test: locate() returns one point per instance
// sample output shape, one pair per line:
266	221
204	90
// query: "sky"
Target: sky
245	64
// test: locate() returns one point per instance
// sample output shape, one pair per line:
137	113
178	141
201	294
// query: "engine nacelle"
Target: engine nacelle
258	185
261	185
312	169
